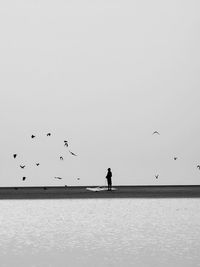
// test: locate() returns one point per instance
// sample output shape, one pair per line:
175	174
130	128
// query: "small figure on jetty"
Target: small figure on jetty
109	179
49	134
156	132
22	166
14	156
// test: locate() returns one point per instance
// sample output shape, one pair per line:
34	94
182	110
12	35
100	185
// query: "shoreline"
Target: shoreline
81	192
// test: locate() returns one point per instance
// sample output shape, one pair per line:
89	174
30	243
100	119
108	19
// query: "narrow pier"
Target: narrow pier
52	192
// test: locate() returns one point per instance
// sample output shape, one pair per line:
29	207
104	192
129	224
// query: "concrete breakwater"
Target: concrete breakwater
144	191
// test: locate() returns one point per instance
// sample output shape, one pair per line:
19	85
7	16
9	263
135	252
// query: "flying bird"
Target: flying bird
32	136
72	153
175	158
61	158
157	176
37	164
78	179
14	156
198	167
156	132
24	178
66	143
49	134
22	166
57	177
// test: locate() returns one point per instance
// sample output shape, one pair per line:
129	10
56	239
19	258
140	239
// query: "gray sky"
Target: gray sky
103	75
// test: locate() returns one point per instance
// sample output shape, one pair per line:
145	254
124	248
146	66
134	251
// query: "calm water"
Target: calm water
100	232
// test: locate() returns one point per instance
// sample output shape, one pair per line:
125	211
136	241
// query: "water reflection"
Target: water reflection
100	232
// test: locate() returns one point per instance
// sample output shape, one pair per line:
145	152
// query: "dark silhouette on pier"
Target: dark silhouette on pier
109	179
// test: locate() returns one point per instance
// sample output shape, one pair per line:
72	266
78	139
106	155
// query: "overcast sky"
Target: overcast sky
103	75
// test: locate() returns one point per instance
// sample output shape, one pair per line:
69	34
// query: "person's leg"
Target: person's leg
108	184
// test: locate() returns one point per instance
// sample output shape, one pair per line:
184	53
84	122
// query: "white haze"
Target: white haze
103	75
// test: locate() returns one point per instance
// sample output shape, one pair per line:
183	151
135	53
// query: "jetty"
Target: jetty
137	191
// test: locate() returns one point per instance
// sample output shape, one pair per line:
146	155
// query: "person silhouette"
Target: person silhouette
109	180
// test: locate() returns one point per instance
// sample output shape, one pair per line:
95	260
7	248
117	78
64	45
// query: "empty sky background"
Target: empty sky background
103	75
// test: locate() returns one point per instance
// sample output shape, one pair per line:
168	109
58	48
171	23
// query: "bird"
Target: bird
49	134
22	166
156	132
78	179
66	143
61	158
32	136
198	167
14	156
57	177
72	153
37	164
157	176
24	178
175	158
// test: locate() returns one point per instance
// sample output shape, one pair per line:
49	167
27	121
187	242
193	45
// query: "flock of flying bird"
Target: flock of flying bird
175	158
66	144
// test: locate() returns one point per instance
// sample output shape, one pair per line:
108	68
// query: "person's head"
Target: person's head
109	169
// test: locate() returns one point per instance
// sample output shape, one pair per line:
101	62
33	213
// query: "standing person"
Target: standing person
109	180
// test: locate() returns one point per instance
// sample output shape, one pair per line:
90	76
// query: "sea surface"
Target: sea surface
100	232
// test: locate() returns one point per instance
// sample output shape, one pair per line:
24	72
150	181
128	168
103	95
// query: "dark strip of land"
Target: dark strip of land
52	192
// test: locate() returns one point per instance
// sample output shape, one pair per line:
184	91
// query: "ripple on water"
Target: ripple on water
100	232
